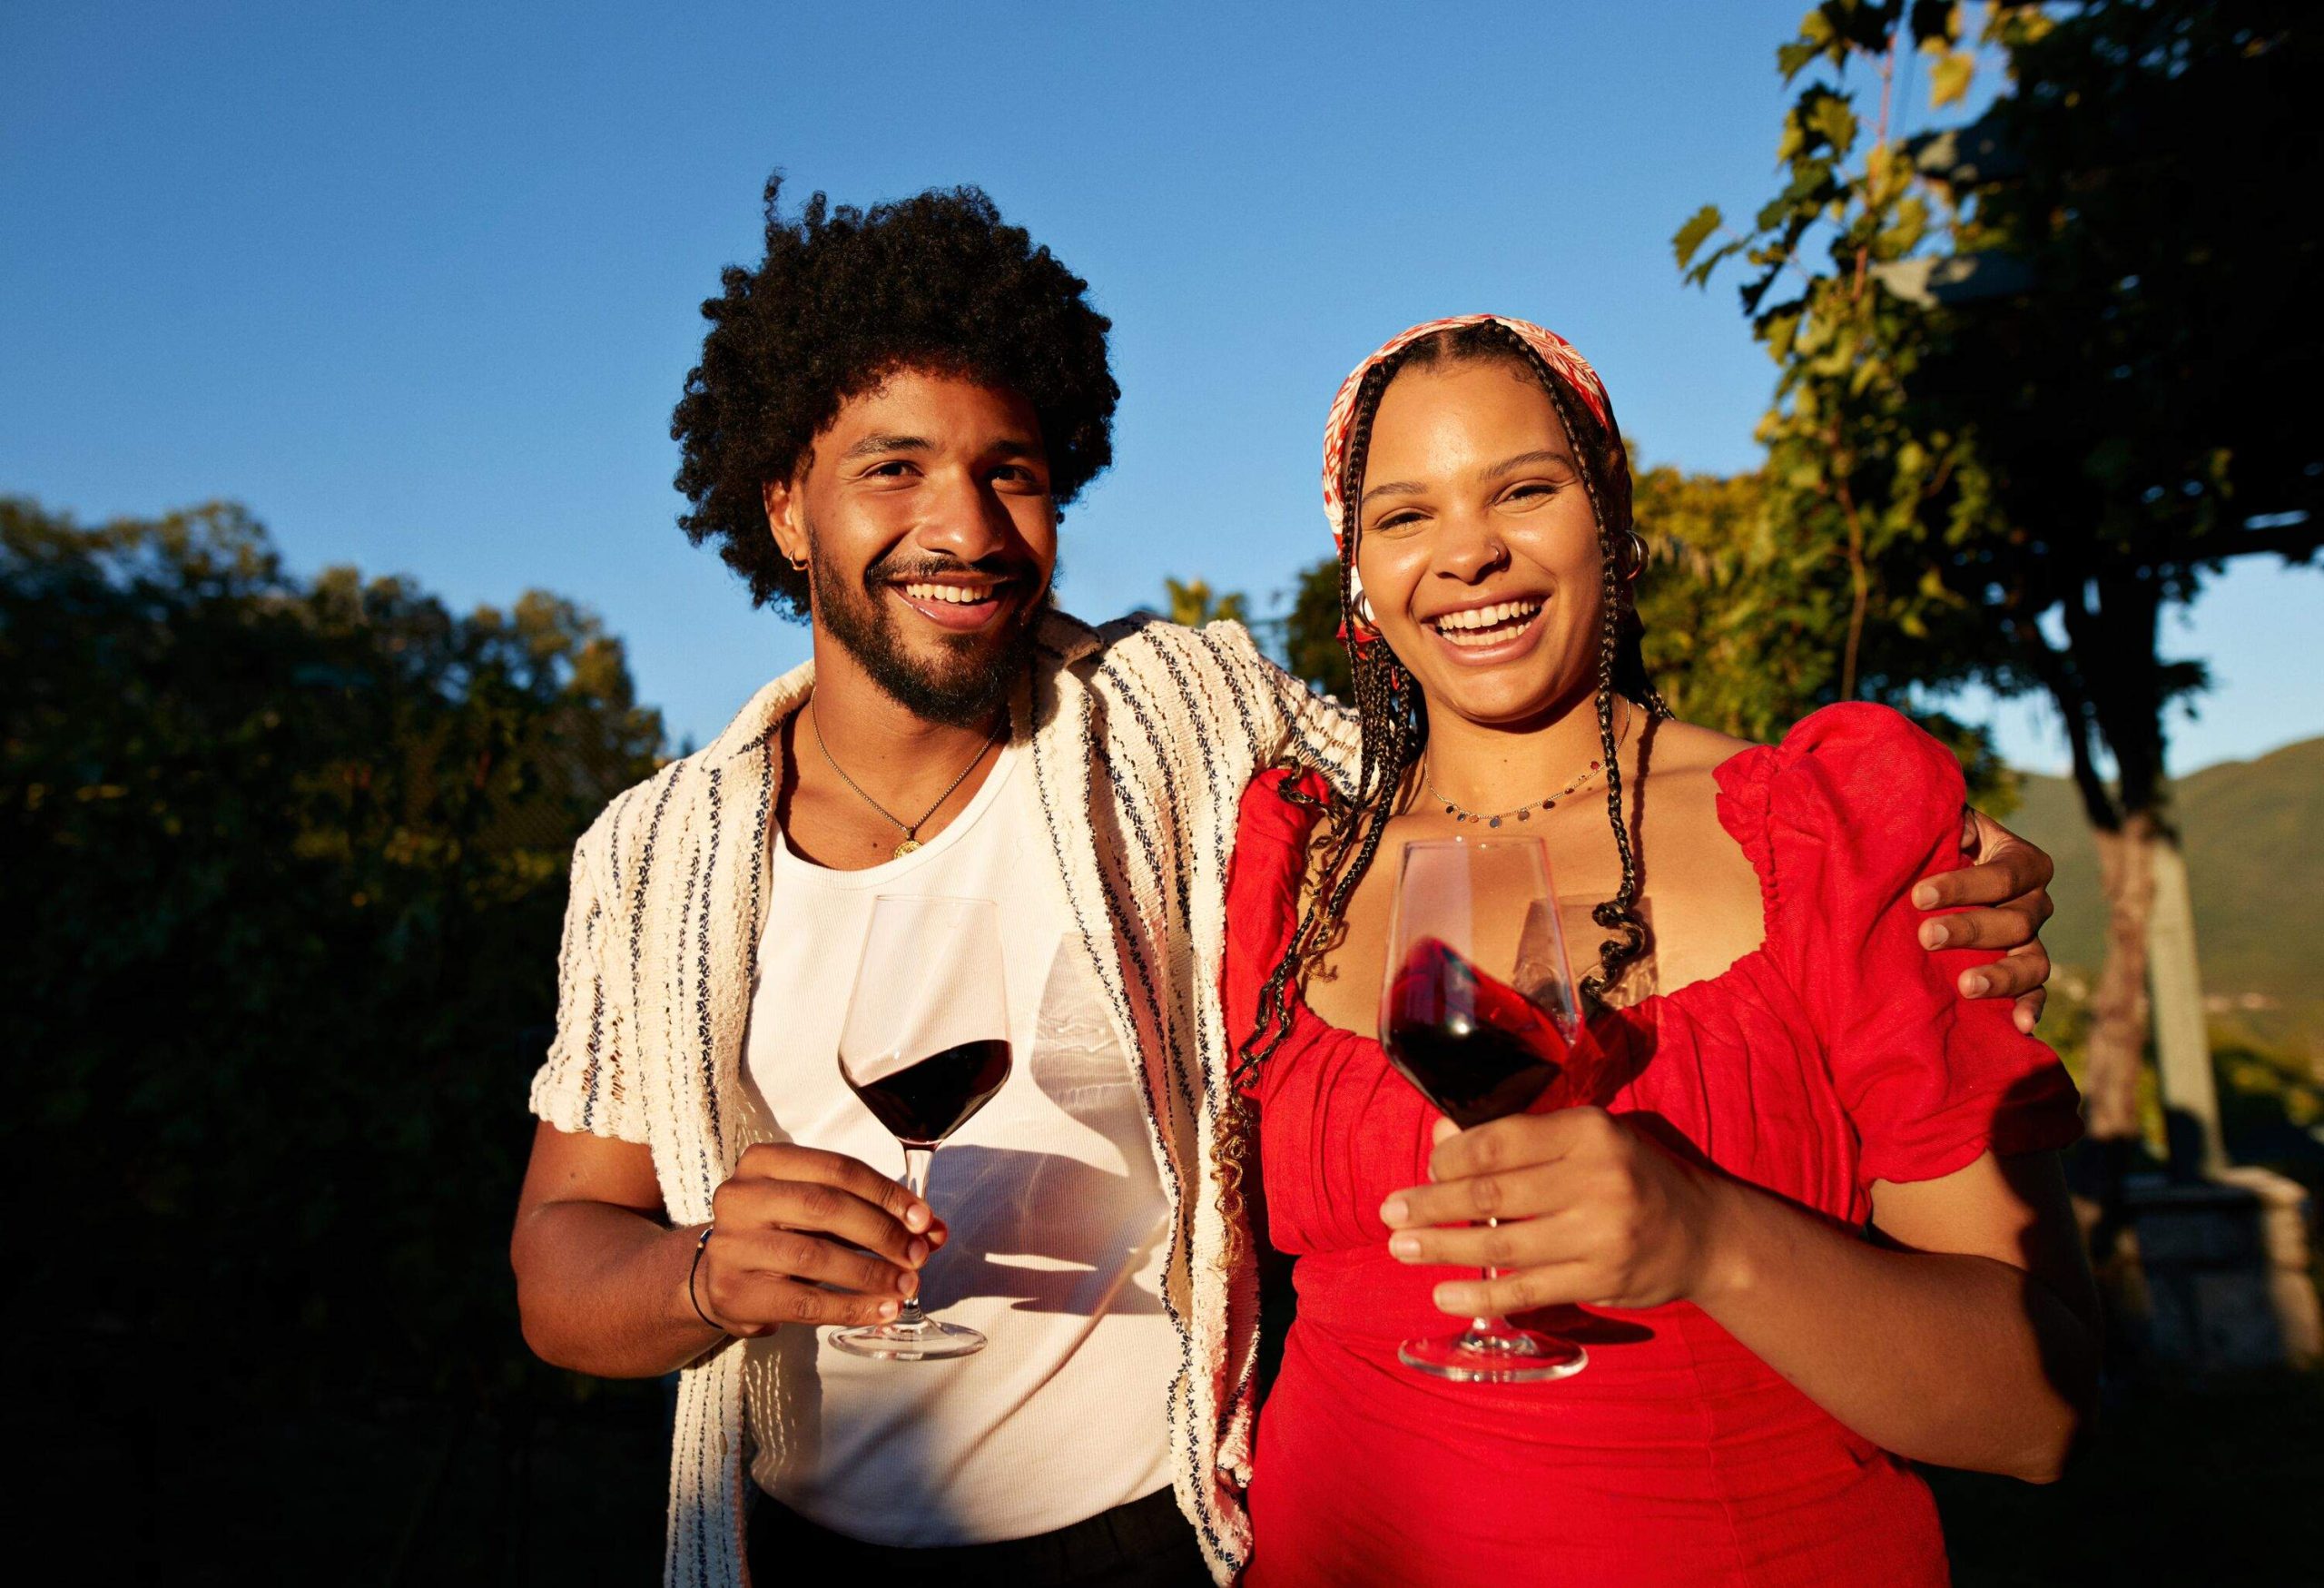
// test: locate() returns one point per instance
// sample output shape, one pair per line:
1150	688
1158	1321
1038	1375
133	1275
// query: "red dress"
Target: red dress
1834	1054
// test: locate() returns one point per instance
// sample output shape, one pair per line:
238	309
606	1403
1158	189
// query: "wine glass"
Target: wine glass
925	1045
1478	1010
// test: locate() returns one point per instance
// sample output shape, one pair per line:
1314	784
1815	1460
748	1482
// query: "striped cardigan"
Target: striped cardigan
1142	736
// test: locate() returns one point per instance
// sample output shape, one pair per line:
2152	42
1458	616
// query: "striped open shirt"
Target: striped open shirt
1142	735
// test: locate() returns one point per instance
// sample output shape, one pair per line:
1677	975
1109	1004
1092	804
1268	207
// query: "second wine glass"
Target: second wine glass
1478	1010
925	1045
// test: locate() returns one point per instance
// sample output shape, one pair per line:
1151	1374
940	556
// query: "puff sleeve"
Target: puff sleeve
1859	805
1263	882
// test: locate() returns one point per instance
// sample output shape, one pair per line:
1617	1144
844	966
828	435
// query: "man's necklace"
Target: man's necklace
1547	802
910	830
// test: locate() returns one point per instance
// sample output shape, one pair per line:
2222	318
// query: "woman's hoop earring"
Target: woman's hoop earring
1635	560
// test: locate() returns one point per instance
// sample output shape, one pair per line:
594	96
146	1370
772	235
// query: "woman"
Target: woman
1824	1215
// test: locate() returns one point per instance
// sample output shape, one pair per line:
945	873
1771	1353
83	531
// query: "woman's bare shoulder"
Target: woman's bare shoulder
1677	749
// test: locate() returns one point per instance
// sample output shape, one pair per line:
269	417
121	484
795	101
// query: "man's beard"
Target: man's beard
965	688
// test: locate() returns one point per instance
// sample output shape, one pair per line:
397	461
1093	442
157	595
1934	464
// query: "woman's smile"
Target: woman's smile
1487	634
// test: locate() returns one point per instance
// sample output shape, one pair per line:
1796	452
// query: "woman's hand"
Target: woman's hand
1590	1209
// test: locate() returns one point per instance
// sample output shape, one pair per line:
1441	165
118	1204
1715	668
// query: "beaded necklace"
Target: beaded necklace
1524	812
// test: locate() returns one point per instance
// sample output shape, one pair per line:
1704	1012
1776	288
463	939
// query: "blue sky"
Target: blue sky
419	284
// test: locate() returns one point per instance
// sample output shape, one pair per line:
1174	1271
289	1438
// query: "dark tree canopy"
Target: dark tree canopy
288	863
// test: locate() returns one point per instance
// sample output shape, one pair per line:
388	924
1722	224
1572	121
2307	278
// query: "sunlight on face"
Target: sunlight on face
1478	547
932	536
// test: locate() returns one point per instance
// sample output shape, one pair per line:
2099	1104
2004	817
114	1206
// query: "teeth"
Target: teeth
959	595
1458	626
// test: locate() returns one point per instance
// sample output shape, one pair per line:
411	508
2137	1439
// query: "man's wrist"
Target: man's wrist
685	1303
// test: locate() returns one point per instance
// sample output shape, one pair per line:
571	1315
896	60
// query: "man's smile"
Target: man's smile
958	604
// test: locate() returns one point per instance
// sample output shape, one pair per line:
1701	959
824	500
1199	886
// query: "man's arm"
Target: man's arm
1294	720
605	1287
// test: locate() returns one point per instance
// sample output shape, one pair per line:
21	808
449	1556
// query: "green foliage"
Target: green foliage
2128	409
1747	623
1192	604
288	862
1743	631
1311	637
2032	370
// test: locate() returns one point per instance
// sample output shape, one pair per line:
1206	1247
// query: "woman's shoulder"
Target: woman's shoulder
1880	738
1282	804
1854	761
1856	800
1884	777
1280	807
1833	735
1682	749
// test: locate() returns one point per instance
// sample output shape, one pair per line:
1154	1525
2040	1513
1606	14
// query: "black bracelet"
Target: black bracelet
707	1231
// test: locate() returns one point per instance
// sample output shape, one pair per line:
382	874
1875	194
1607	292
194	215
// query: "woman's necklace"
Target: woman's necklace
1460	812
910	830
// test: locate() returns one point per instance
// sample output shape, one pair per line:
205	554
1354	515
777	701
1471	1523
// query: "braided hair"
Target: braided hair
1393	716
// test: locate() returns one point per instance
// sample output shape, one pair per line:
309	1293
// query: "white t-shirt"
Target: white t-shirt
1054	1201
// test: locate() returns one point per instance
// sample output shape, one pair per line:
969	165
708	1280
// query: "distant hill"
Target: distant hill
2254	836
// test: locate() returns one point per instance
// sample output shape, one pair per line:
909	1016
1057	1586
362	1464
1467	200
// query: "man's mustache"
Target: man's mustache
896	571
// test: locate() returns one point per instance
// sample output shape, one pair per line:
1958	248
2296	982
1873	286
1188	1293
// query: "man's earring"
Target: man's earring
799	564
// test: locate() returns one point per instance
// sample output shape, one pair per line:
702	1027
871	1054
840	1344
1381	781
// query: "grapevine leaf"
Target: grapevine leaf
1691	237
1948	80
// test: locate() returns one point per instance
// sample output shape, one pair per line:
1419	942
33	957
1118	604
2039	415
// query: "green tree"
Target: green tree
288	861
2014	388
1192	604
1311	631
1751	622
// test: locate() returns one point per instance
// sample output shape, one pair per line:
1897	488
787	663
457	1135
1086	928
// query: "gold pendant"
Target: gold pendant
906	847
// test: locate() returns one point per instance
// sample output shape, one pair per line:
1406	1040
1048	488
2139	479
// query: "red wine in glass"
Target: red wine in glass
1441	1038
922	1103
1479	1046
925	1045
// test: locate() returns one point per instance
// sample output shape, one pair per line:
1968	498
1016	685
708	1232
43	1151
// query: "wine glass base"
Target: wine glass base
926	1341
1507	1357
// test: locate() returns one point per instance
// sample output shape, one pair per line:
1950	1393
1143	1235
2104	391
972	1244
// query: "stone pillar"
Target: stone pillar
2224	1271
2287	1221
2182	1039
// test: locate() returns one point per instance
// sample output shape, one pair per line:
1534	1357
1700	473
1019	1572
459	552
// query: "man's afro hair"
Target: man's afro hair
843	299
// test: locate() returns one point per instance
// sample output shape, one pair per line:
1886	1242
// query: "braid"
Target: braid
1394	719
1630	677
1619	913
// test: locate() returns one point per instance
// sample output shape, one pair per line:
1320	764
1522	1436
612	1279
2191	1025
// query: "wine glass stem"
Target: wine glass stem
916	1161
1491	1324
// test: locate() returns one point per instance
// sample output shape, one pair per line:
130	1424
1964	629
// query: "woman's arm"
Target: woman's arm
1965	1334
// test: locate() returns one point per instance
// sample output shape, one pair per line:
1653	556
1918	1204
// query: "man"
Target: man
888	413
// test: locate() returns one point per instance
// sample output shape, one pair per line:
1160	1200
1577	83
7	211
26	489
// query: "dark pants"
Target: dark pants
1146	1543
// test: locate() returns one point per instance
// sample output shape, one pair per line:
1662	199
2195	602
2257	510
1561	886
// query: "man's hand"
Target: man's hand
2012	877
794	1220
